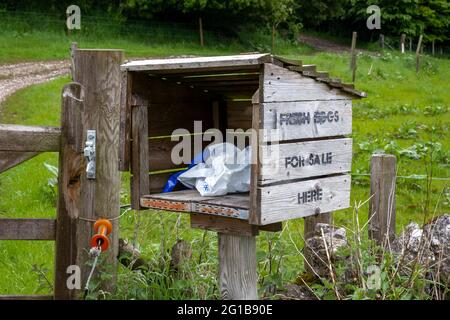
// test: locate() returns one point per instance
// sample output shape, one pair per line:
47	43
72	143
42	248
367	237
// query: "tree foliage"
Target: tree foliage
413	17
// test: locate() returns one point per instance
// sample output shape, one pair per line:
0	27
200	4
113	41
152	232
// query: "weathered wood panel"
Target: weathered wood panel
10	159
72	166
232	205
189	64
160	154
223	225
125	122
139	155
230	225
29	138
306	119
166	117
27	229
239	114
158	181
255	193
288	161
281	84
237	267
304	198
99	73
382	211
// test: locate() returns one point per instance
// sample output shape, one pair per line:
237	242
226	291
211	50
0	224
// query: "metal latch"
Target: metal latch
89	153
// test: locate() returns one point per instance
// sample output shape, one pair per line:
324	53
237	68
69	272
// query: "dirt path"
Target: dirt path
324	45
17	76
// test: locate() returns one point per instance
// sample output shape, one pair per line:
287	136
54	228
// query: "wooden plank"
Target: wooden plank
10	159
304	198
382	212
281	84
299	160
210	78
29	138
232	205
71	167
306	119
223	225
99	73
237	267
239	114
140	183
255	192
218	62
125	122
166	117
160	154
158	181
27	229
26	297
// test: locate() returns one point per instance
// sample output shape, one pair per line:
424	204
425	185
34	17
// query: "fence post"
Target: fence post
382	202
402	43
73	48
308	231
237	267
99	73
353	56
419	44
382	41
200	29
70	168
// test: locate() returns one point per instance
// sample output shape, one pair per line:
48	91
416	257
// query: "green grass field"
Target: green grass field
405	114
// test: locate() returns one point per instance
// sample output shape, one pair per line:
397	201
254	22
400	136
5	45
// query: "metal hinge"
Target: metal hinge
89	153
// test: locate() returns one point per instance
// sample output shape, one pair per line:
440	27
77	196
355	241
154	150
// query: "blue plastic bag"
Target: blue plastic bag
173	178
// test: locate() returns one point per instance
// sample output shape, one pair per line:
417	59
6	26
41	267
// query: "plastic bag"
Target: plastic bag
226	170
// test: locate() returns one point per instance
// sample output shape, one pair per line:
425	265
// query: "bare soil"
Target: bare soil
17	76
324	45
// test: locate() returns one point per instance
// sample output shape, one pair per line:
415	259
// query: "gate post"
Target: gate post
99	73
70	168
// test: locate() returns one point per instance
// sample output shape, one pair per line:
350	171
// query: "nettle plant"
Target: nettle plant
364	270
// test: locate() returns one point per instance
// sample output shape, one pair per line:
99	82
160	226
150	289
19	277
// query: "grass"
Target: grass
404	114
22	36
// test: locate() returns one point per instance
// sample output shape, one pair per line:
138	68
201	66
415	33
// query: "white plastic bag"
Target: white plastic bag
226	170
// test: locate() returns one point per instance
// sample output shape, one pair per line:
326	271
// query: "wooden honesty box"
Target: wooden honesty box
302	153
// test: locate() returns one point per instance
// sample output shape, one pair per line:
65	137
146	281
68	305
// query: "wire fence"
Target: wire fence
104	26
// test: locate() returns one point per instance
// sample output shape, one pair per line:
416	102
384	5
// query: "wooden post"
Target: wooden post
140	182
200	27
353	56
308	231
382	203
402	43
73	48
237	267
432	48
382	41
71	167
410	44
99	73
419	44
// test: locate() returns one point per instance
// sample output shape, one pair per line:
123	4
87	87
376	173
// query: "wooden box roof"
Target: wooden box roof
236	66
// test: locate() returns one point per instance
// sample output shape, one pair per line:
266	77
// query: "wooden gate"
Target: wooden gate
90	103
19	143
